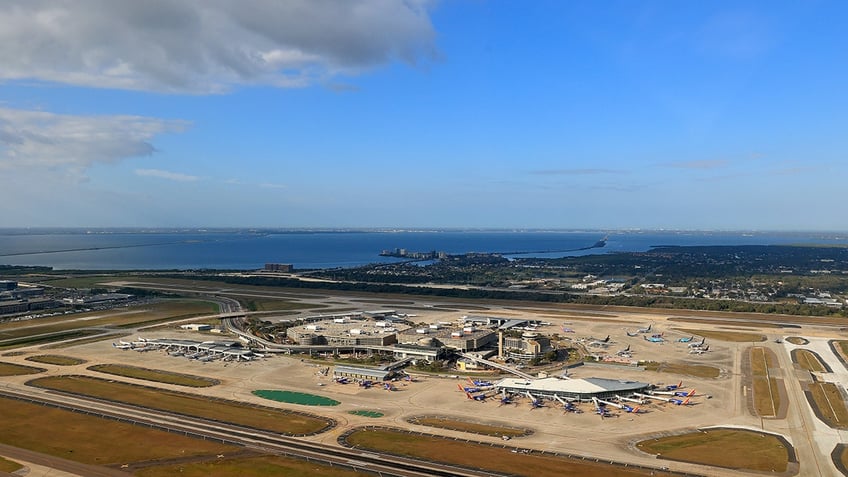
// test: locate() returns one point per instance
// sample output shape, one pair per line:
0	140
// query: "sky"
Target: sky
415	113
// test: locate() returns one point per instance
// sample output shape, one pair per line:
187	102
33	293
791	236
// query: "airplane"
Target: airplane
341	380
654	339
469	389
645	330
505	400
122	346
600	409
567	330
476	397
623	407
699	350
675	393
685	340
479	383
567	406
604	342
534	401
206	358
388	387
648	396
365	384
625	351
699	344
672	387
680	402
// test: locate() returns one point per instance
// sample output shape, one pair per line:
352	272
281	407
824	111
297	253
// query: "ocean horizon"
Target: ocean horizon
171	248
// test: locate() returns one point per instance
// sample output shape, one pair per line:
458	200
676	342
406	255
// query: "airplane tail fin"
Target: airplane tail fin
691	393
460	387
680	384
685	402
469	396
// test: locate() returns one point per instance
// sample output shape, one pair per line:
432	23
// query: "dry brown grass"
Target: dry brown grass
797	340
468	426
12	369
830	403
696	370
119	317
734	448
155	375
484	456
725	335
56	359
270	419
808	361
9	466
765	388
92	440
261	466
707	321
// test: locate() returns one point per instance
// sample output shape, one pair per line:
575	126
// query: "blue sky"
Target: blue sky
461	113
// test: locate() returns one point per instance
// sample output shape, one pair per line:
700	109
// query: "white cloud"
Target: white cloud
206	46
69	143
173	176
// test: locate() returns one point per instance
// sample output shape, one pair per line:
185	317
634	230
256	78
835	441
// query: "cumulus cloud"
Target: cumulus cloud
172	176
37	139
204	46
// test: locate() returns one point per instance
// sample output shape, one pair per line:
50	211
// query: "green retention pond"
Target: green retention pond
367	413
292	397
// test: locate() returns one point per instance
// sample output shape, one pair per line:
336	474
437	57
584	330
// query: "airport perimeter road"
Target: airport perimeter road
266	442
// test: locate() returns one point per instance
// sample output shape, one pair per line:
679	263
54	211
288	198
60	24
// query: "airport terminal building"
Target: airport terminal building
572	389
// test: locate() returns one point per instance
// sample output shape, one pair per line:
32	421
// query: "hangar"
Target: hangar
572	389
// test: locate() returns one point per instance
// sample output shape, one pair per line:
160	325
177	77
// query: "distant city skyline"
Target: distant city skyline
424	114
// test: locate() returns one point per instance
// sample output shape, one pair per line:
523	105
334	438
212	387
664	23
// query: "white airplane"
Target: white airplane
122	345
698	344
699	350
600	343
645	330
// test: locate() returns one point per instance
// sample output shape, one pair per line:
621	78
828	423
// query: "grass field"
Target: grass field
293	397
707	321
374	414
268	304
262	466
733	448
808	361
12	369
270	419
93	281
92	440
27	340
56	359
9	466
843	456
468	426
731	336
697	370
843	346
765	388
797	340
484	456
828	399
155	375
120	317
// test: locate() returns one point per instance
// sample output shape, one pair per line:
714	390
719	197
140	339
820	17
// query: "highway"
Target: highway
261	441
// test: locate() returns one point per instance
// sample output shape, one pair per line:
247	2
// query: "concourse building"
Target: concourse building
572	389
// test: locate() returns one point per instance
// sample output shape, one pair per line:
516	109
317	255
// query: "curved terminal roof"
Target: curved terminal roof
572	388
